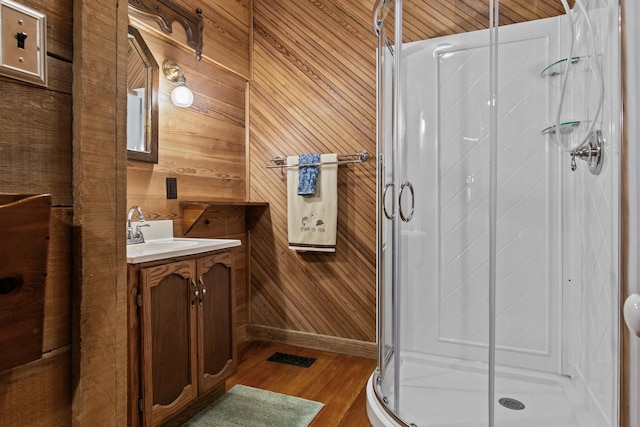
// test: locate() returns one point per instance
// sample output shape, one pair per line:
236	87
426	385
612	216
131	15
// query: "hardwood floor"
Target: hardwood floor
336	380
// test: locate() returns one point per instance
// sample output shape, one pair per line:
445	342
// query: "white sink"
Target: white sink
160	246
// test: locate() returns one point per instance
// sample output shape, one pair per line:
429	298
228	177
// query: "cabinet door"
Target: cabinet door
217	360
169	370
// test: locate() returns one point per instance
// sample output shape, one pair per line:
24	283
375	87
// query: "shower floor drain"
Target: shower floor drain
510	403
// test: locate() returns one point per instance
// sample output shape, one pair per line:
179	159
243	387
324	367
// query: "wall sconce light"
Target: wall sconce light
181	95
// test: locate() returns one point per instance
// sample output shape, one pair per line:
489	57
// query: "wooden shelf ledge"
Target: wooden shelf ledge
201	216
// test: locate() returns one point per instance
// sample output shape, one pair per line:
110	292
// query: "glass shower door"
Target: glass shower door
446	258
497	266
434	122
433	206
384	22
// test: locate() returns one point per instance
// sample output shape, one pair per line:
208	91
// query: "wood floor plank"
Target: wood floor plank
336	380
357	415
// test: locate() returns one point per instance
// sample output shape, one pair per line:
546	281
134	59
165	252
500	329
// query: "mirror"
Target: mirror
142	100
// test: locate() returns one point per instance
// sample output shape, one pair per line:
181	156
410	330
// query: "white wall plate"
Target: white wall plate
23	53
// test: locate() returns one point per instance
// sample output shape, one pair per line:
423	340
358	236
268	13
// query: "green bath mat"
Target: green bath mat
251	407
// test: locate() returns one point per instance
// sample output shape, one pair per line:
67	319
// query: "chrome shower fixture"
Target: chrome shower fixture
592	152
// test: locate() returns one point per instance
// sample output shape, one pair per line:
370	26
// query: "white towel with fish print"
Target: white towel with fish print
313	220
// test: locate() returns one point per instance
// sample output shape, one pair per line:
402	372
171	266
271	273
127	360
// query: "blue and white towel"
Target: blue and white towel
313	219
308	175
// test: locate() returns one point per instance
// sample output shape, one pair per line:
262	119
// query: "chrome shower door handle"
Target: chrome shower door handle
384	199
407	218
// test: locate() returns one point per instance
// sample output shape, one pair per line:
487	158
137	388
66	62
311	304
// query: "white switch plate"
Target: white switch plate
24	59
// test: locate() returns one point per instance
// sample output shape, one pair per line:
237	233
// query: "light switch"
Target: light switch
23	53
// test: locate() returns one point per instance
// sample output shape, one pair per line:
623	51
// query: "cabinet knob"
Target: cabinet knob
195	292
204	290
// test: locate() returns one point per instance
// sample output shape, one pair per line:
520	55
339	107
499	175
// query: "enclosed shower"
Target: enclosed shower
498	205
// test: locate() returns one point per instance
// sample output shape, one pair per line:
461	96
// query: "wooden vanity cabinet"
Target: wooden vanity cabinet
187	344
216	343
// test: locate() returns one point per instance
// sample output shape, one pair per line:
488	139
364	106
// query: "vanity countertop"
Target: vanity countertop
160	244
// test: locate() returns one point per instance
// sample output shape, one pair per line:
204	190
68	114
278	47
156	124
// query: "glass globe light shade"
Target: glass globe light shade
182	96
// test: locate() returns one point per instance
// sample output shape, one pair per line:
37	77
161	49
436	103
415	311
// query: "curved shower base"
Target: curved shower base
436	393
378	416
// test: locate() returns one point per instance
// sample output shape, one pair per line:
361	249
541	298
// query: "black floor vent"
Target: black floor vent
292	359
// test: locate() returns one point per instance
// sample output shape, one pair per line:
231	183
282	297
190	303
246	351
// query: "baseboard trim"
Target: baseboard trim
308	340
241	333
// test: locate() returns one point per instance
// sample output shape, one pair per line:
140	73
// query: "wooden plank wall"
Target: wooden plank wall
203	146
36	136
99	171
227	25
313	90
427	19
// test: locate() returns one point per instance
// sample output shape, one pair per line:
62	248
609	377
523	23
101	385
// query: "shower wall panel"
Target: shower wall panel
447	129
592	229
557	246
557	255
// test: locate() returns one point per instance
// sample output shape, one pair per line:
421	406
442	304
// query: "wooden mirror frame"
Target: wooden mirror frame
150	119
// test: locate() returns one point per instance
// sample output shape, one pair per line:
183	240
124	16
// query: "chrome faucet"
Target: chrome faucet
136	236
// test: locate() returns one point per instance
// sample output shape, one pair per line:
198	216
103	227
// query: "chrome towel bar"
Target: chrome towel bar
360	156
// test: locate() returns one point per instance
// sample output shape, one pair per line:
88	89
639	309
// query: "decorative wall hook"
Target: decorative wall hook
164	12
